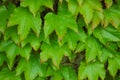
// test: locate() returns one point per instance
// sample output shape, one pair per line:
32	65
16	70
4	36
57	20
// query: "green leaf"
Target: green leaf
107	34
6	74
93	49
68	73
55	74
33	40
80	47
80	2
92	71
4	45
71	38
114	65
5	12
54	52
73	7
25	52
112	15
39	78
95	4
108	3
97	18
88	7
25	21
35	5
105	55
3	18
31	68
11	32
2	58
11	50
61	23
87	12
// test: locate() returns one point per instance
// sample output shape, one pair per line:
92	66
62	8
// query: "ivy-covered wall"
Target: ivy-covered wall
59	39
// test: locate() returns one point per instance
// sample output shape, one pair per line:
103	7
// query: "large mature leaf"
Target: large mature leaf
31	68
114	65
35	5
54	52
6	74
11	50
25	21
61	23
92	71
93	49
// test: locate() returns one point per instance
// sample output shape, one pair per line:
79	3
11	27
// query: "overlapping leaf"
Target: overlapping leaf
107	34
11	32
5	12
35	5
25	21
54	52
3	18
31	68
2	58
6	74
93	49
92	71
68	73
114	65
112	15
11	50
88	7
33	40
61	23
71	38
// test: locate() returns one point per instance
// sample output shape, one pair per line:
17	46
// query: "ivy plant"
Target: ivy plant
59	39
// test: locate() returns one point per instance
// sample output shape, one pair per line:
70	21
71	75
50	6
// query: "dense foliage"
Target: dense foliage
59	39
